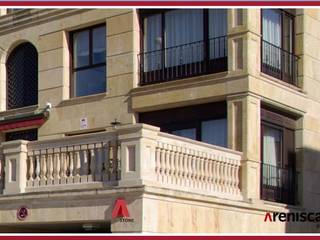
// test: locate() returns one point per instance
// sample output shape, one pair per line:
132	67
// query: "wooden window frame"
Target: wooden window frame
90	65
196	115
287	125
208	65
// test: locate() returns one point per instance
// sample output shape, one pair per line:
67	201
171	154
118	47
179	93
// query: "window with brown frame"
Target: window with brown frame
22	76
205	122
277	157
277	45
88	61
181	43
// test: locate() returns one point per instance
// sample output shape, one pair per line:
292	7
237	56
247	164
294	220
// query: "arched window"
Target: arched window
22	76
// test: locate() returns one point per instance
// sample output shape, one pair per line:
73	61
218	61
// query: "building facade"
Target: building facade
155	121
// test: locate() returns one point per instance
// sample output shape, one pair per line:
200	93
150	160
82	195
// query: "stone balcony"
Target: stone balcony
129	156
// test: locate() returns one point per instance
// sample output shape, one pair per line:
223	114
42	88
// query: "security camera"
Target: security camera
48	106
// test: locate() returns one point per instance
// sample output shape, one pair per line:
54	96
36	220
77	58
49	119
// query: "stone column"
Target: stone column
15	153
137	156
138	147
244	135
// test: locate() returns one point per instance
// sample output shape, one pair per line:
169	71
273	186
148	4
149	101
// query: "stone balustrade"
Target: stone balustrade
73	164
197	166
129	156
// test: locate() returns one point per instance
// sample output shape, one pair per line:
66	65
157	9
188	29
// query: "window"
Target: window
184	42
278	59
195	122
215	132
22	76
187	133
89	61
29	135
278	158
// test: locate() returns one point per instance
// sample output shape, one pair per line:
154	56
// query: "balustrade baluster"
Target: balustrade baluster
185	173
99	162
162	162
172	165
70	161
31	170
229	169
37	177
167	163
64	167
77	165
223	176
218	176
50	169
118	173
56	167
205	171
106	162
209	172
92	165
157	167
43	168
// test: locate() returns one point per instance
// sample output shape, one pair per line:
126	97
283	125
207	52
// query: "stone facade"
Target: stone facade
171	184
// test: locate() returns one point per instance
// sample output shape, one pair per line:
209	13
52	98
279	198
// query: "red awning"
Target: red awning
22	124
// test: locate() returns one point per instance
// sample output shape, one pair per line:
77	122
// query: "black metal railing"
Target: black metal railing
278	184
279	63
187	60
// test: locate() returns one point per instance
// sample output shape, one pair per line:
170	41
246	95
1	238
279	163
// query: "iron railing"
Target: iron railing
279	63
278	184
187	60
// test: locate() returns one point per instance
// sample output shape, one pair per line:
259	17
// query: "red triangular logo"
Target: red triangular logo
120	209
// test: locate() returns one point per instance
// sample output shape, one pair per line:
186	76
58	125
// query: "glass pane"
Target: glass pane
271	146
287	33
271	155
183	36
99	45
81	49
214	132
218	26
288	59
152	42
272	26
90	81
272	35
187	133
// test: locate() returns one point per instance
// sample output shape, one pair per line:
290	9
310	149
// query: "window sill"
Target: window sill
83	99
281	205
282	83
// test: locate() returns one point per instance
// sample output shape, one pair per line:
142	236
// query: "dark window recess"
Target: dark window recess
205	122
22	76
277	46
88	61
182	43
278	174
29	135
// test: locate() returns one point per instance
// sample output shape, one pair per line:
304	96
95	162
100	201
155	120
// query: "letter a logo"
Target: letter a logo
268	216
120	209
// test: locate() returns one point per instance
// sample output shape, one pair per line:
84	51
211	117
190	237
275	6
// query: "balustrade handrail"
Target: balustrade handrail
182	45
279	48
71	141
